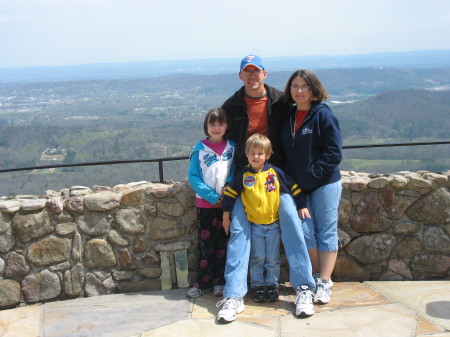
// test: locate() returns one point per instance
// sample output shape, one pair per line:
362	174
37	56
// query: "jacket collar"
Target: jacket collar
314	107
248	168
238	97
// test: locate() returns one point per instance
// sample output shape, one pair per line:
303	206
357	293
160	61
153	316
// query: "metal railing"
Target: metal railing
160	161
97	163
392	145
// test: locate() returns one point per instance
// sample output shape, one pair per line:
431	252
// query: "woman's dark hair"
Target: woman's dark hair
318	92
213	115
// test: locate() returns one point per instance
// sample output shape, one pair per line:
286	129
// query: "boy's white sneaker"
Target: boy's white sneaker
230	307
304	302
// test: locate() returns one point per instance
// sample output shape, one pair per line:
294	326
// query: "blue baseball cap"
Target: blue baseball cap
252	60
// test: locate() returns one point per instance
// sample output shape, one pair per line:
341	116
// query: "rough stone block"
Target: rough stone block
138	286
30	226
129	223
166	280
9	294
33	205
74	280
181	263
98	254
371	248
51	250
102	201
174	209
10	206
165	229
41	286
94	223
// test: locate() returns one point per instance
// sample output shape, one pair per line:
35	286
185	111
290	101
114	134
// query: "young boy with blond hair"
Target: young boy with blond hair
259	184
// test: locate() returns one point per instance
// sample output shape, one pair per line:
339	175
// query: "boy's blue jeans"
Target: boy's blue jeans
265	255
238	250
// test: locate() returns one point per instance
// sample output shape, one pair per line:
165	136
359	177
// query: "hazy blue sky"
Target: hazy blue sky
66	32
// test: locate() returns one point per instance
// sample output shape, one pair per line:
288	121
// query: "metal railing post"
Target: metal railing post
161	171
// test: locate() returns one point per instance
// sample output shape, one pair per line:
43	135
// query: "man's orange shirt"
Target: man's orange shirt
257	115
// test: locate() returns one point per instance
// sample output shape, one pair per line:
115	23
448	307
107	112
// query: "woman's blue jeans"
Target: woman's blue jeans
238	251
321	230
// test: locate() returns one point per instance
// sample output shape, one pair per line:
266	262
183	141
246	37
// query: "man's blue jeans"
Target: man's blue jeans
238	250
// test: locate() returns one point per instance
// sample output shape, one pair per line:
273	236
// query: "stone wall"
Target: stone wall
142	236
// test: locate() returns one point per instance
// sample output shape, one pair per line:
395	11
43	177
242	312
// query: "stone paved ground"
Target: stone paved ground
378	309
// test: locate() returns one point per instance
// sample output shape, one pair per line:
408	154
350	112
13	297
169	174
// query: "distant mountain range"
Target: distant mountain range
405	115
413	59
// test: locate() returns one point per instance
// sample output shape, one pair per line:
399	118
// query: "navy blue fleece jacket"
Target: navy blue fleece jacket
313	153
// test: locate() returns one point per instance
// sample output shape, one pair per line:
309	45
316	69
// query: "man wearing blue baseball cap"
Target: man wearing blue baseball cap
257	108
251	110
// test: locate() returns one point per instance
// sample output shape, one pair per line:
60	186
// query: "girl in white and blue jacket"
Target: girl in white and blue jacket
211	168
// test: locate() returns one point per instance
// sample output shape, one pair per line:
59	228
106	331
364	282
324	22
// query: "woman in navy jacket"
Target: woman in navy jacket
311	141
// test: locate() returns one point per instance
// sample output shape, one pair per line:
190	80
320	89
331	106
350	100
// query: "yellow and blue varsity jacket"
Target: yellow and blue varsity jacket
260	192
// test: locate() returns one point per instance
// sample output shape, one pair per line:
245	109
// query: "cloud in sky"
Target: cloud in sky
63	32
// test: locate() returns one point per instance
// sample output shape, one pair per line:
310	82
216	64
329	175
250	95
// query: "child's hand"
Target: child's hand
304	213
226	222
222	191
219	202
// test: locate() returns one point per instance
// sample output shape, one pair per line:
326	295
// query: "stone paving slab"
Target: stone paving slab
344	295
20	322
348	295
115	315
430	299
381	309
205	307
427	327
388	320
209	327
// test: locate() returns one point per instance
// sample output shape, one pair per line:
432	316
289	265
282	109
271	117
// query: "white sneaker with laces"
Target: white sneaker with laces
218	290
304	302
323	291
316	275
230	307
195	292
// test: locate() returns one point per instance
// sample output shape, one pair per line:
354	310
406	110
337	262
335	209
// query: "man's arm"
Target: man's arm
277	114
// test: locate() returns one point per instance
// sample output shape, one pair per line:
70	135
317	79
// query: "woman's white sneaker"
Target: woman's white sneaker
316	275
230	307
323	291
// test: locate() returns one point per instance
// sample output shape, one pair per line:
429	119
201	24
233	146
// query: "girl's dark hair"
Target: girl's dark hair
213	115
318	92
